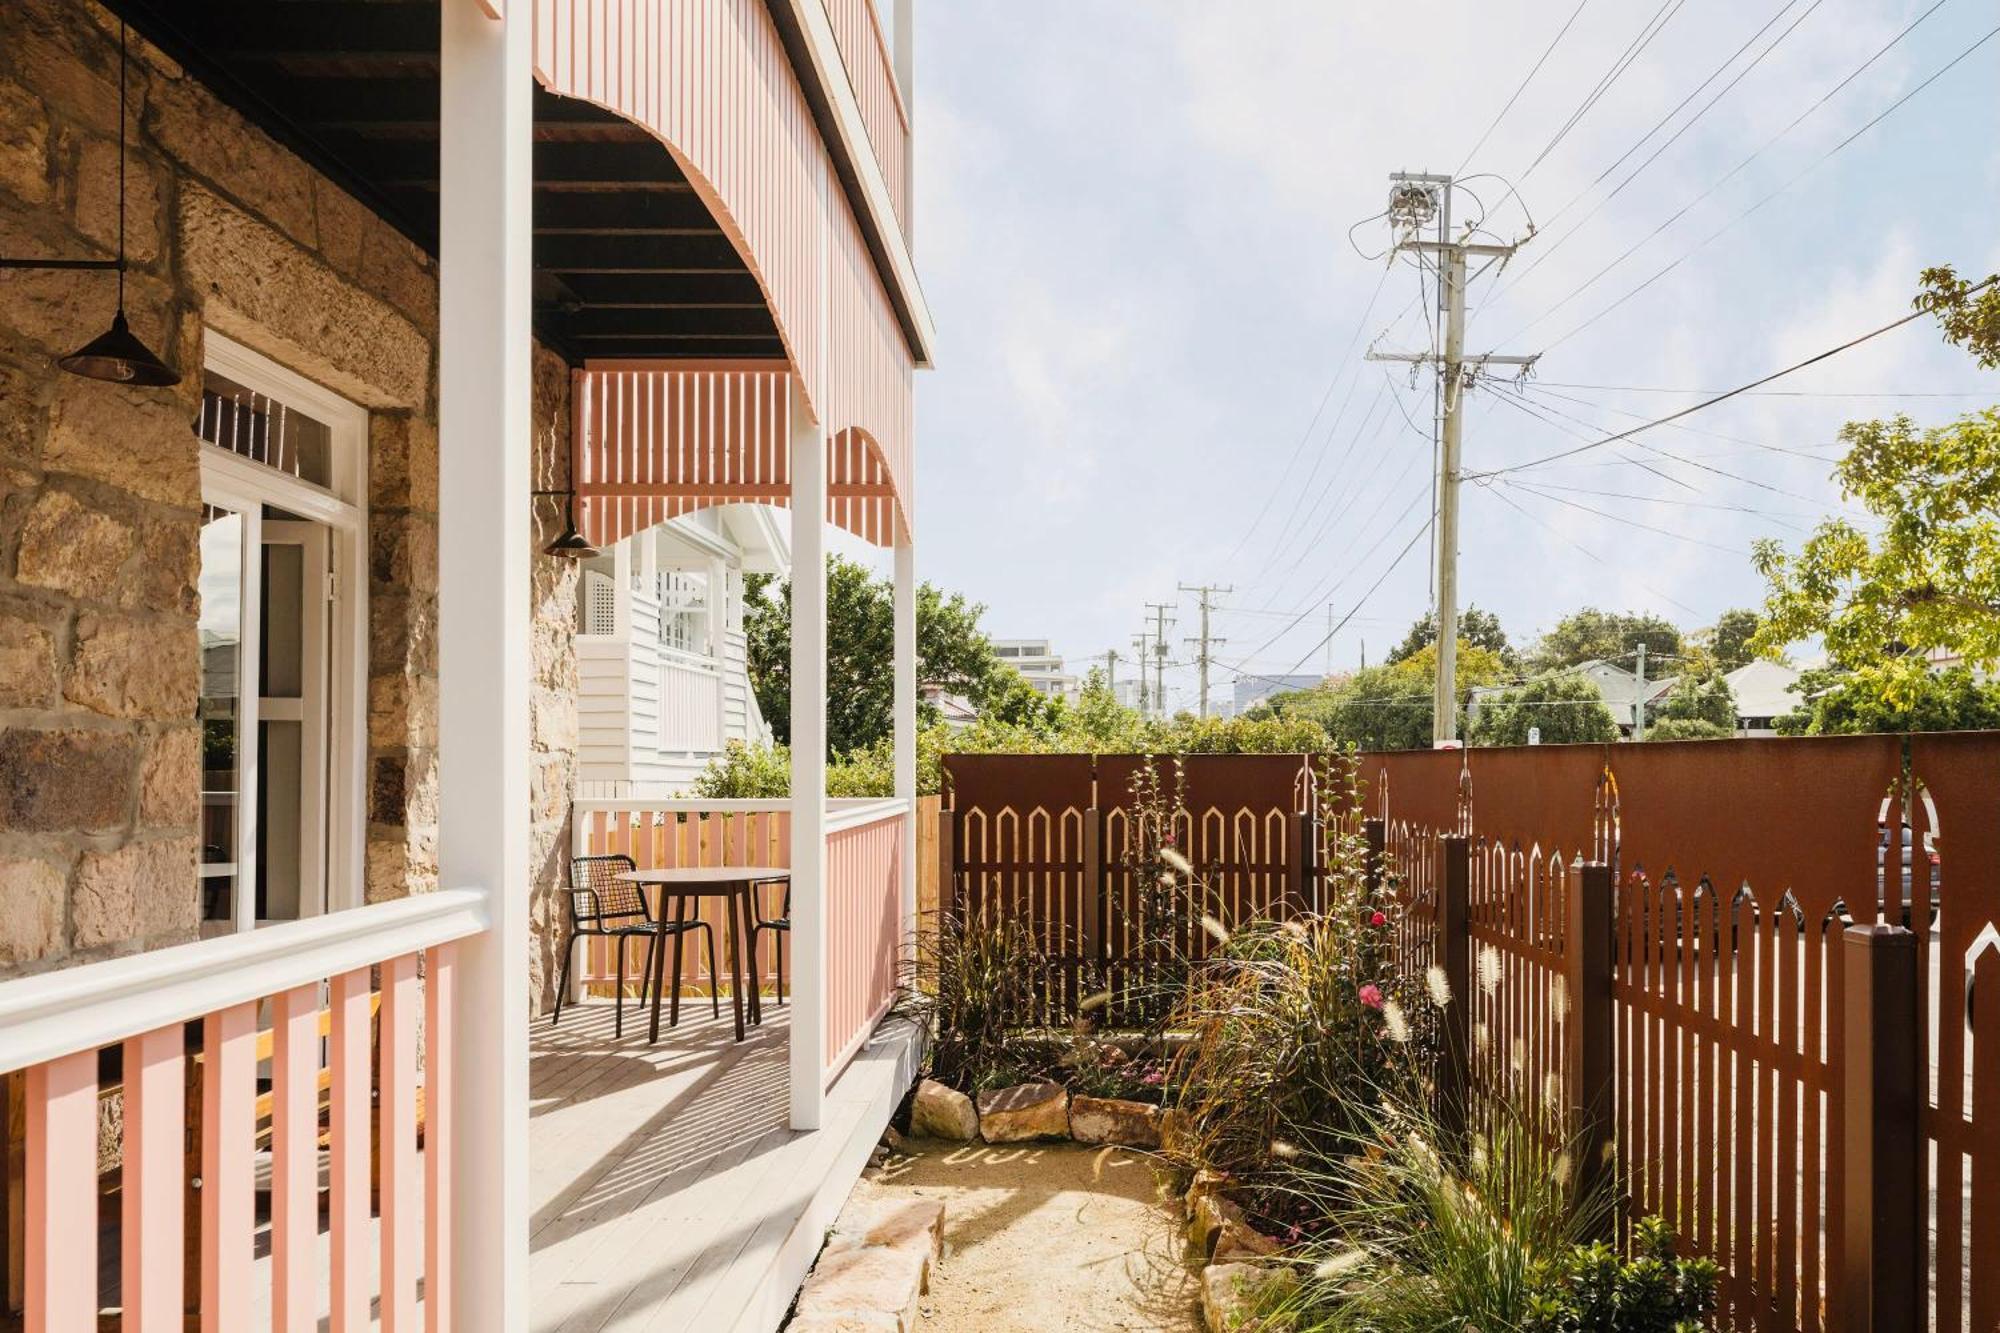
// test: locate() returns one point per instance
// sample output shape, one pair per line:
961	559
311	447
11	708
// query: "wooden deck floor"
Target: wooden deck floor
668	1193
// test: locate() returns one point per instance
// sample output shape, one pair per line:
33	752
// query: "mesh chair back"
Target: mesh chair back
598	895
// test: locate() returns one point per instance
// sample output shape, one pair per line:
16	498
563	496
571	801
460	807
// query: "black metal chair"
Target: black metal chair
603	905
782	924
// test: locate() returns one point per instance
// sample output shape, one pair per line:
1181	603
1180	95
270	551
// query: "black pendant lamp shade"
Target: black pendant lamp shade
570	544
116	354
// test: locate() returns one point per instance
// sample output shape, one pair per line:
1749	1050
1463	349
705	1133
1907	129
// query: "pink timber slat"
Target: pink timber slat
350	1116
61	1195
857	31
228	1166
295	1160
863	922
711	79
154	1228
440	977
401	1183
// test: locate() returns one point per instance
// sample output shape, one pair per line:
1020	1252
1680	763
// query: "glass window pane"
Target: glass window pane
221	627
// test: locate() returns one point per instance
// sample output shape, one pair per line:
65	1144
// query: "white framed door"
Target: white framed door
284	642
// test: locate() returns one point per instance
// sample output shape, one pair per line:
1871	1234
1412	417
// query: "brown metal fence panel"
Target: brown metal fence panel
1956	812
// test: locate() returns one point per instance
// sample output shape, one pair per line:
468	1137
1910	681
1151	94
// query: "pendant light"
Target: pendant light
116	354
570	544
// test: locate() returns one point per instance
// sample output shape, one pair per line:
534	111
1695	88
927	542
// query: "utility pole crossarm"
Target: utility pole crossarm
1428	358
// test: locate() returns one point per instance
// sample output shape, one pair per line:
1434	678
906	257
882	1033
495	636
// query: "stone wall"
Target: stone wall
552	724
100	487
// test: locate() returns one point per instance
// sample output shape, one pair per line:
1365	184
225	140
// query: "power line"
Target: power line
1291	527
1593	555
1762	446
1759	393
1724	397
1383	578
1746	213
1541	486
1523	85
1629	522
1633	50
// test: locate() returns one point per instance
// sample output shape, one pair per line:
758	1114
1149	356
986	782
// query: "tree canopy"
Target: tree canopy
1728	639
1699	703
1591	635
1479	628
1926	585
952	651
1389	707
1567	707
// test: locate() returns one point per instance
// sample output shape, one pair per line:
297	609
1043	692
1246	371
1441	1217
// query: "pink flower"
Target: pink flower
1154	1078
1167	841
1377	919
1370	995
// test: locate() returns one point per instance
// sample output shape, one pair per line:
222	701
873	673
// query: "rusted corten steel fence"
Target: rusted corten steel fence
1046	842
1751	978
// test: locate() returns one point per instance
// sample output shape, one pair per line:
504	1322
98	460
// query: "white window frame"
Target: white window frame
242	485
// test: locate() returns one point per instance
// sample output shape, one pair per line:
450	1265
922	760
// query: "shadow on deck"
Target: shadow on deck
667	1191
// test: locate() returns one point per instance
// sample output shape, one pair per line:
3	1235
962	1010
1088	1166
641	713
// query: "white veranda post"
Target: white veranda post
808	1050
906	727
484	422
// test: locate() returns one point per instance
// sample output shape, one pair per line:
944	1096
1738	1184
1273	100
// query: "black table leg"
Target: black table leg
735	961
659	976
748	898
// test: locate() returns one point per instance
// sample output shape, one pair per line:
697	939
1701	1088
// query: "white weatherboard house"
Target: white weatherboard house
662	668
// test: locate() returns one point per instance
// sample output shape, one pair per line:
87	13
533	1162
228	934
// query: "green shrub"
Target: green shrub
976	980
747	773
1594	1289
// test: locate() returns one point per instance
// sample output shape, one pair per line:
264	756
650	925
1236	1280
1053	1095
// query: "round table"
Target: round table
734	885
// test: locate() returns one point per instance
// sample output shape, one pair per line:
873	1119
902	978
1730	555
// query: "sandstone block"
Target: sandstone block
96	213
24	144
65	781
182	116
136	440
867	1279
907	1224
72	547
403	461
342	224
141	891
27	659
1234	1295
168	572
1024	1111
1236	1241
32	893
170	779
940	1112
1207	1216
133	668
853	1321
1112	1120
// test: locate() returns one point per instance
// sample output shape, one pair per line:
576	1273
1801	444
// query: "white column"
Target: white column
808	1066
906	726
484	426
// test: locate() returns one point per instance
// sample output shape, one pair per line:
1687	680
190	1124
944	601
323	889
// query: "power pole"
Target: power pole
1205	595
1111	671
1160	623
1415	199
1639	706
1139	656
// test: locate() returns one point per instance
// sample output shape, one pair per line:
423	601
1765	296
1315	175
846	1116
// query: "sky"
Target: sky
1149	235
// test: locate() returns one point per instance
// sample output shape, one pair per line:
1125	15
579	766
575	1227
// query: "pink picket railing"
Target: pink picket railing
687	833
329	1010
864	923
857	31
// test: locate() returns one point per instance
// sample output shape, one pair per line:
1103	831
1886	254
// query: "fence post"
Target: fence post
1452	951
1587	947
1376	834
1299	878
1882	1235
947	855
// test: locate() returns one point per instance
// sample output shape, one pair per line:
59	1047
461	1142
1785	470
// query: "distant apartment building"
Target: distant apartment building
1040	664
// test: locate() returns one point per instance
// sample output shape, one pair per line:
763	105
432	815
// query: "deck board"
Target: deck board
668	1191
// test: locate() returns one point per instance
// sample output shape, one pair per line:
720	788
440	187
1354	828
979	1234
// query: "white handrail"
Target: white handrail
682	805
82	1008
858	811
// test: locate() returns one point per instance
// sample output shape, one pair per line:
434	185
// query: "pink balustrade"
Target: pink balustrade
330	1012
857	31
864	926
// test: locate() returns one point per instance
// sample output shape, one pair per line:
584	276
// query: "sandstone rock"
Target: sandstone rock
65	781
853	1321
342	223
402	630
170	779
908	1224
27	659
31	910
142	891
1206	1181
134	668
24	144
217	145
1024	1111
402	462
136	440
96	212
1236	1241
1110	1120
290	306
940	1112
1233	1294
73	548
866	1279
168	570
1208	1215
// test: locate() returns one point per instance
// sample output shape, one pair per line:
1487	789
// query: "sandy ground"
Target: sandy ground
1046	1237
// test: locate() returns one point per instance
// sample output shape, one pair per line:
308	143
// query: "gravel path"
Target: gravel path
1052	1236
